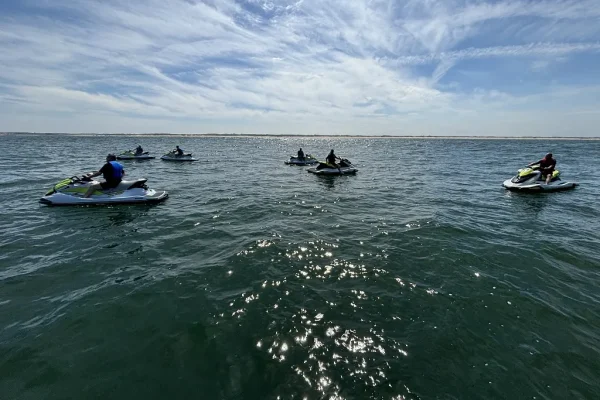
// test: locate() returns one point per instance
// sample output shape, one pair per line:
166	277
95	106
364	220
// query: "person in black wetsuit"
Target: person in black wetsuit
112	171
139	150
300	154
178	151
331	159
547	165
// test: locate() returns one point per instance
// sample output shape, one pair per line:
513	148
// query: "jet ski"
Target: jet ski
530	179
70	192
130	155
173	156
345	168
308	160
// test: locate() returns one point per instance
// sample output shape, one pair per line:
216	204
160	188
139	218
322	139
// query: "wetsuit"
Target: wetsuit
300	155
139	150
331	159
179	152
112	172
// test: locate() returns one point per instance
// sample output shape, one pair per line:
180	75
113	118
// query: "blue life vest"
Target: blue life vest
117	170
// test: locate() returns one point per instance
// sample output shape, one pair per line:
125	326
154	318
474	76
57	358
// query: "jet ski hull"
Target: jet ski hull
554	186
333	171
146	197
306	161
133	196
130	155
126	157
345	168
178	159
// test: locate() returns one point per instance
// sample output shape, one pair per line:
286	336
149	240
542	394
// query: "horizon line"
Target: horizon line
264	135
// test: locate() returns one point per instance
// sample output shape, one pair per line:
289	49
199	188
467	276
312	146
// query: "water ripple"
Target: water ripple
418	278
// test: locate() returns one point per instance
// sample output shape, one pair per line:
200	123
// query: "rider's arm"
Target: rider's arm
550	166
99	172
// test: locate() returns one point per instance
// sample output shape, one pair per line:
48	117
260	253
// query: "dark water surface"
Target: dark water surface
418	278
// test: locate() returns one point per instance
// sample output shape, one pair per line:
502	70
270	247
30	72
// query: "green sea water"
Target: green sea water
418	278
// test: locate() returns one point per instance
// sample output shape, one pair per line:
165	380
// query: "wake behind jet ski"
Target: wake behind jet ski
344	167
71	191
530	179
177	155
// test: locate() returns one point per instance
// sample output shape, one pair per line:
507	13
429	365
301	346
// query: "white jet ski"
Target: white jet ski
173	156
530	179
130	155
70	192
345	168
308	160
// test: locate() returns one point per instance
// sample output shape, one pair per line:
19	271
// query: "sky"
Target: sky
327	67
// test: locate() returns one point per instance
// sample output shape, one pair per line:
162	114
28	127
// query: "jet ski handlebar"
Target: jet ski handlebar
83	178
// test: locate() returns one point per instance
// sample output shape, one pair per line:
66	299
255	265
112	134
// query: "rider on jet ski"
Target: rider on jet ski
139	150
112	172
331	159
300	154
178	151
547	165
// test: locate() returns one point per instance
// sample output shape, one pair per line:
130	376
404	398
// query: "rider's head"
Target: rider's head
548	156
177	147
111	157
331	151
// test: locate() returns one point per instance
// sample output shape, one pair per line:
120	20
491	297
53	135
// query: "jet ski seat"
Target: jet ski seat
124	185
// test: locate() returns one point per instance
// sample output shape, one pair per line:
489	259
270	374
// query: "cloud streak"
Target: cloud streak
349	66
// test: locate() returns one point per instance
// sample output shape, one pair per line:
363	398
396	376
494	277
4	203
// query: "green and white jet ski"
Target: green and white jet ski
70	192
345	168
131	155
530	179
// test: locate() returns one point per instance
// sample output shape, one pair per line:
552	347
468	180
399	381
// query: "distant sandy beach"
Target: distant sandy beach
266	136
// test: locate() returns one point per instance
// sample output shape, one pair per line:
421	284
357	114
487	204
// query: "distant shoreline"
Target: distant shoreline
265	136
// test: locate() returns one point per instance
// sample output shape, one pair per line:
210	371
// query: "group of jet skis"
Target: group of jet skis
176	154
540	176
85	190
333	165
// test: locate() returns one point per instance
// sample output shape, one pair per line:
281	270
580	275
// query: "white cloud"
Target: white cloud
348	66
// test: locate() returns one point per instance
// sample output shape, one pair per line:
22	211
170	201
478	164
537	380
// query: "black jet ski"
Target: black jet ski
70	192
529	179
308	160
345	168
173	156
131	155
